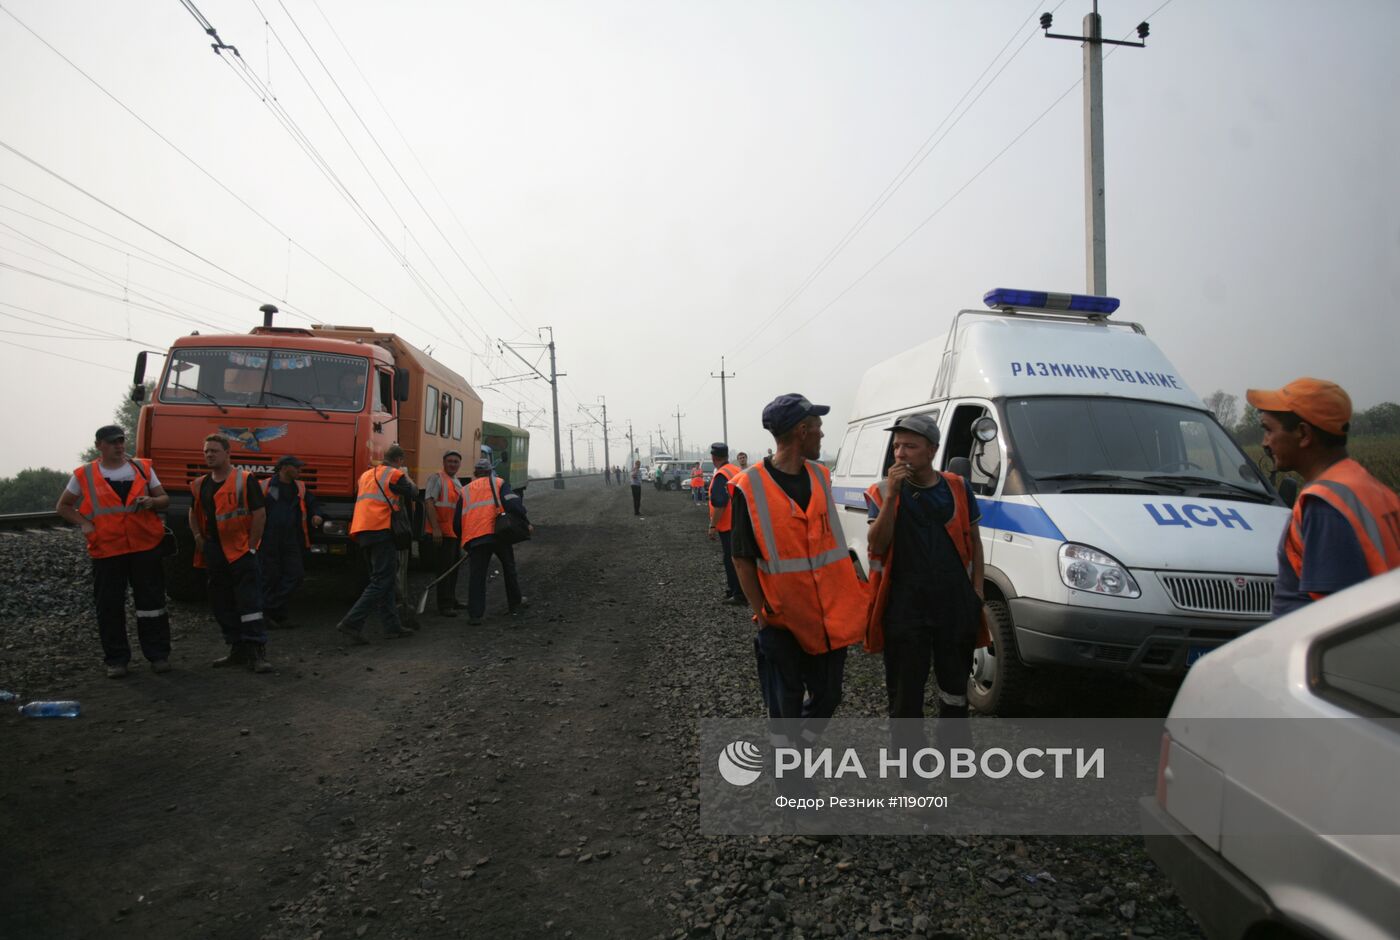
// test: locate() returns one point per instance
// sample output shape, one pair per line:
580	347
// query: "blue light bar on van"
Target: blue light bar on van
1004	297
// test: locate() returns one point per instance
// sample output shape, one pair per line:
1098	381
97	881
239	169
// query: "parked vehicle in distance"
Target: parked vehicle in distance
1122	527
1276	813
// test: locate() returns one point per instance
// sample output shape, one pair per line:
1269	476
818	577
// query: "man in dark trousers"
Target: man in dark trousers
721	518
381	493
292	513
926	573
117	502
636	487
487	496
796	574
227	519
442	529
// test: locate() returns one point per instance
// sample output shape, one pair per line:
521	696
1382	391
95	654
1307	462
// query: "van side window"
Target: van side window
869	451
847	453
457	418
986	470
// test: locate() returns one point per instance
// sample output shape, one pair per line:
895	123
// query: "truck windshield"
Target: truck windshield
1073	443
274	378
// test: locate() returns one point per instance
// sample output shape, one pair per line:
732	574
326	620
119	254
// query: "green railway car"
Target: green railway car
509	452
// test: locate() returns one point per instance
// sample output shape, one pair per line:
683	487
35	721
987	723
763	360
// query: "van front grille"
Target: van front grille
1221	594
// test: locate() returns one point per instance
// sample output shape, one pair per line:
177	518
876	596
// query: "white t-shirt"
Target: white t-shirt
122	474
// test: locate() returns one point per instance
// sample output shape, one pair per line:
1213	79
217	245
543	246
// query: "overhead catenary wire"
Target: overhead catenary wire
200	167
935	213
925	149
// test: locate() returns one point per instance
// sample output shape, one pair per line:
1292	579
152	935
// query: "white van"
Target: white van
1122	527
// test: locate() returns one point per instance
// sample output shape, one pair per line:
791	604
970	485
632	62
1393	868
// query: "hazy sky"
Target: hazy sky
656	180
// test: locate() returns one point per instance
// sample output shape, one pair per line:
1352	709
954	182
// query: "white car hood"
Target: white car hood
1172	532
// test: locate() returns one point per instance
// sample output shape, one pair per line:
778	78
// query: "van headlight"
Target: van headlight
1087	569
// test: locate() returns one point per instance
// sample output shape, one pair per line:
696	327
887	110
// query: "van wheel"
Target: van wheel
673	486
998	679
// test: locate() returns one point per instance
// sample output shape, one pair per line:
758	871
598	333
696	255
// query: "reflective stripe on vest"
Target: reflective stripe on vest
1370	507
373	508
478	513
118	528
444	508
809	585
235	524
723	520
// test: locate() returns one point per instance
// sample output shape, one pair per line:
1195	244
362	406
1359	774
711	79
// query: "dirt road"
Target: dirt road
526	777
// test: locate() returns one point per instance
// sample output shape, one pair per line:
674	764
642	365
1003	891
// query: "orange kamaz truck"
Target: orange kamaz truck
335	396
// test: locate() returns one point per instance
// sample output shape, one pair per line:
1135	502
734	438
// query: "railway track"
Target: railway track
20	521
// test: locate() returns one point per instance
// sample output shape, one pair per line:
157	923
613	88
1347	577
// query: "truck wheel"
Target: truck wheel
673	486
998	679
183	581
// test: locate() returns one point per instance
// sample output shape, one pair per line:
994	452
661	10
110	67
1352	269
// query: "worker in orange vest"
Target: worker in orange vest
697	484
1346	523
722	516
382	491
486	497
796	572
227	519
928	600
292	512
117	502
442	529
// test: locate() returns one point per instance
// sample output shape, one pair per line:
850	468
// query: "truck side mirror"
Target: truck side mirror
139	378
961	466
401	388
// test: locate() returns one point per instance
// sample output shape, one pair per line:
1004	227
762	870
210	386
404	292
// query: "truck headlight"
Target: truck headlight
1086	569
334	527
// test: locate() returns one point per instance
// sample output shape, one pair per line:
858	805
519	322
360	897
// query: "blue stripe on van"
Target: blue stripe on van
1018	517
1007	517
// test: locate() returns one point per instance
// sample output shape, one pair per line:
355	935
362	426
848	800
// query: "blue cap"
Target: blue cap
783	413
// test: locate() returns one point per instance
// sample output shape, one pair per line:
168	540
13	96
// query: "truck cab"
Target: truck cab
1122	527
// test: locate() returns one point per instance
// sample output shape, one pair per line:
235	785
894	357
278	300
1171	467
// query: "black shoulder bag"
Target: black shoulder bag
400	529
510	528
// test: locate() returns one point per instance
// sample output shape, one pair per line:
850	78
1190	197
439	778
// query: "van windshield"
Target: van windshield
275	378
1072	443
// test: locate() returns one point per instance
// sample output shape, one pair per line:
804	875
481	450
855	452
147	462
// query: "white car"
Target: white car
1277	812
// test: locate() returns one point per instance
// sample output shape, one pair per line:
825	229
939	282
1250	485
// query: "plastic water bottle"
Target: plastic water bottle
51	710
7	697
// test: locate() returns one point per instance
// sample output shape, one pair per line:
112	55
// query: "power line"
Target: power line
932	215
387	159
86	362
911	166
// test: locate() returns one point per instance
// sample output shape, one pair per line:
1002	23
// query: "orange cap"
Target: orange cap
1324	405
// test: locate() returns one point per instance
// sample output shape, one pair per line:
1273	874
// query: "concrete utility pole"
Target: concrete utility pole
680	441
603	404
631	445
1095	238
723	399
553	380
573	468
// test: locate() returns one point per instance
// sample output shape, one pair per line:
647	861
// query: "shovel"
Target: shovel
423	601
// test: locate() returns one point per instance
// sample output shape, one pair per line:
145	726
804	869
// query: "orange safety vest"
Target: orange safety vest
959	529
373	511
233	520
809	584
723	519
697	479
117	528
1372	508
480	510
301	498
445	506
